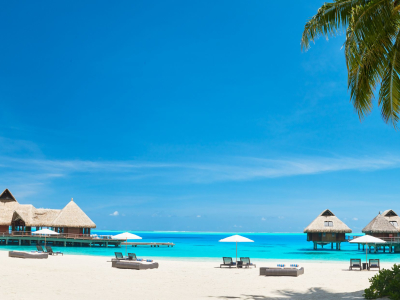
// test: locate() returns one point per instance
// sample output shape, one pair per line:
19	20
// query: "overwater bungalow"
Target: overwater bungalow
327	229
23	217
17	221
385	225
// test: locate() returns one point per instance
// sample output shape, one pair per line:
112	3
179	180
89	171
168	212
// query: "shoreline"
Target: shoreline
209	259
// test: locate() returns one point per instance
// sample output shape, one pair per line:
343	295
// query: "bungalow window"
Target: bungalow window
394	223
328	224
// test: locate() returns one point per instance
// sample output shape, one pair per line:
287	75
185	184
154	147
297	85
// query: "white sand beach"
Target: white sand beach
91	277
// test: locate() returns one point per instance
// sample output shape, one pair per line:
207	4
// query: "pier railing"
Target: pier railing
56	236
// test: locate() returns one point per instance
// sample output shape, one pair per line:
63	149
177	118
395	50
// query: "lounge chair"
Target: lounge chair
228	262
51	252
355	263
39	248
374	264
136	265
22	254
119	256
132	256
246	262
281	271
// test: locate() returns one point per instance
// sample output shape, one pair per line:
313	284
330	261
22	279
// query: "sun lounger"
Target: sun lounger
266	271
246	262
374	264
51	252
134	265
132	256
22	254
39	248
355	263
119	256
227	262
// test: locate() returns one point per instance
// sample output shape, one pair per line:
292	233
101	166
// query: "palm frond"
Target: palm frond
330	19
389	94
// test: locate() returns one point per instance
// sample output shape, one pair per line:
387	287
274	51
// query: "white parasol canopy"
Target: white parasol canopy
236	239
45	232
367	239
126	236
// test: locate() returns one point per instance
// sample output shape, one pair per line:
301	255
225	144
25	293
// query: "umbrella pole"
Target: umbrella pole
126	246
236	256
366	253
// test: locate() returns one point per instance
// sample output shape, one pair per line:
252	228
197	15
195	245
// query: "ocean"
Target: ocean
285	247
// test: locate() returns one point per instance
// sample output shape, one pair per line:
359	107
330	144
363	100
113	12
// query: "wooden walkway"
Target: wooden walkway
135	244
60	240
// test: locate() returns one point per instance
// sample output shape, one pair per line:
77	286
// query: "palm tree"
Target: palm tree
372	50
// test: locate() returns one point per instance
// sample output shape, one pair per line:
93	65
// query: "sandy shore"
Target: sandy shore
91	277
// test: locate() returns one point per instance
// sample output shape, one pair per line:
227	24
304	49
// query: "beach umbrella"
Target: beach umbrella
236	239
367	239
45	232
126	236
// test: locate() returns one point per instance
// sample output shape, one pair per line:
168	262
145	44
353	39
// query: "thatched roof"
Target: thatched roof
6	196
392	217
6	211
35	217
319	225
380	225
72	216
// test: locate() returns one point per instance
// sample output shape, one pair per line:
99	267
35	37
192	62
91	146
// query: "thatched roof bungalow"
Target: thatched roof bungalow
22	217
384	225
327	228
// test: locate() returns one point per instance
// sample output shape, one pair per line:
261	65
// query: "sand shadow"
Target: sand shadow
312	293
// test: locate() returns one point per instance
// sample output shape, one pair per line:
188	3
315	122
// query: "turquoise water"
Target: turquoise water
278	246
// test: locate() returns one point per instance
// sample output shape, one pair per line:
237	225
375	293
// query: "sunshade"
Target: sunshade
236	239
45	232
126	236
367	239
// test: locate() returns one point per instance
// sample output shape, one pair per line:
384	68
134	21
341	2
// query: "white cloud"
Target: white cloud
355	219
198	216
115	213
263	219
41	170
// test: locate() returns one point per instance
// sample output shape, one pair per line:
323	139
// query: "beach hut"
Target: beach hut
72	220
384	226
23	217
327	229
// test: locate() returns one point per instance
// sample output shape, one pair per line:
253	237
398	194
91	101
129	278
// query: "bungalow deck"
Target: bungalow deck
72	240
393	245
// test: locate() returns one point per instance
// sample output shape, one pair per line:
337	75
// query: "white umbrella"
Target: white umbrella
126	236
367	239
236	239
45	232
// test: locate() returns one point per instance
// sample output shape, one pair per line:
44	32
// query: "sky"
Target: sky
186	116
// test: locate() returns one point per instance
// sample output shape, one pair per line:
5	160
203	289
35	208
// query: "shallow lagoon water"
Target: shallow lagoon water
278	246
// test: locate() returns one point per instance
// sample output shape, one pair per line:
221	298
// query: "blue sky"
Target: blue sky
186	115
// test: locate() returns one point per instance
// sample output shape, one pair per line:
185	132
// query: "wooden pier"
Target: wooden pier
392	244
135	244
72	240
